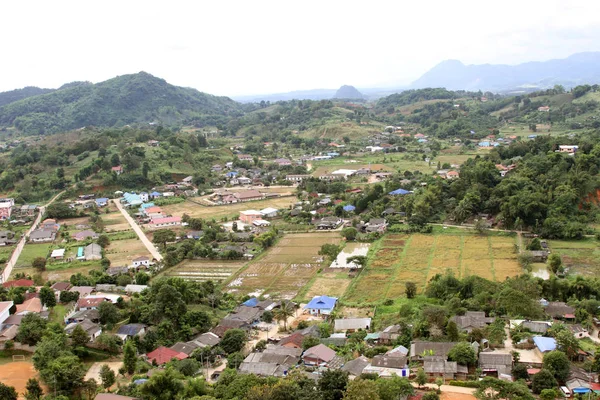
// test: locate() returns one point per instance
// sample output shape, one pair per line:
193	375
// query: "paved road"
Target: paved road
17	252
136	228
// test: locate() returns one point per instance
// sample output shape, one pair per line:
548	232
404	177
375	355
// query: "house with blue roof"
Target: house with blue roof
484	144
333	154
321	305
154	195
349	208
102	202
399	192
132	199
253	302
231	174
544	344
146	205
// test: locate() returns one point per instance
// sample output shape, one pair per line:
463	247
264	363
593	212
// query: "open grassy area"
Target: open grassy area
580	256
285	268
122	252
230	210
31	251
397	259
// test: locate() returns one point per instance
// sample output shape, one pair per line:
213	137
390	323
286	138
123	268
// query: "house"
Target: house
78	316
18	283
569	149
249	195
42	235
452	175
185	348
472	320
376	225
129	331
60	287
89	303
5	210
93	330
282	162
164	222
439	367
386	365
130	289
9	333
321	355
188	180
273	361
227	324
245	157
536	326
544	108
399	192
248	216
544	344
578	331
117	170
207	339
87	234
355	367
296	178
102	202
33	305
216	168
420	349
153	143
269	212
328	223
163	355
144	196
495	364
5	307
114	271
57	254
111	396
142	261
352	324
559	309
248	315
92	251
321	305
82	290
132	199
292	341
349	208
390	335
330	177
194	235
28	210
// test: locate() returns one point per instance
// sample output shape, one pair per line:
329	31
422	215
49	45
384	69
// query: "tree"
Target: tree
452	331
129	357
421	377
189	366
330	250
123	280
496	389
47	297
463	354
103	241
410	289
439	382
33	390
519	371
543	380
64	373
310	341
233	341
107	375
284	311
31	329
431	396
361	389
567	343
108	313
90	387
359	261
332	384
234	360
108	342
163	236
558	364
164	385
39	263
267	316
554	262
349	233
142	278
394	388
79	336
548	394
7	392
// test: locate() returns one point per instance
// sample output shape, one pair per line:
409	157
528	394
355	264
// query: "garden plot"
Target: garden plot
204	270
285	268
122	252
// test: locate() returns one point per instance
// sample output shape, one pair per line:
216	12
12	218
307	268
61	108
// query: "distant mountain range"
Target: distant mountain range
126	99
571	71
349	93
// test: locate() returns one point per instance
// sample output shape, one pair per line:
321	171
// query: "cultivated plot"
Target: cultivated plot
204	270
229	210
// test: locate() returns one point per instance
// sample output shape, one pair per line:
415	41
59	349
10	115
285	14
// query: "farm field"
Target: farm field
231	210
115	222
582	257
397	259
285	268
122	252
203	270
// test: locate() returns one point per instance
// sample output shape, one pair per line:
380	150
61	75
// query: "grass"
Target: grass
122	252
202	270
58	313
31	251
582	257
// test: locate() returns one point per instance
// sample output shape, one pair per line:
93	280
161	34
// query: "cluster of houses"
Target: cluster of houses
155	217
46	232
6	206
229	197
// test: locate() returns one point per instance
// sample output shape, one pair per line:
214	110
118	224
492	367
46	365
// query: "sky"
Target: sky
246	47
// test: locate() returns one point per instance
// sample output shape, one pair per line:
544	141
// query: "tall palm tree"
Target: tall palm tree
285	311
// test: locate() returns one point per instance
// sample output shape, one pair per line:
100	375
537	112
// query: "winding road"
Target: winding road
136	228
17	252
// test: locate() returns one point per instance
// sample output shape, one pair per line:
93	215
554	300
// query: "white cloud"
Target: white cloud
249	47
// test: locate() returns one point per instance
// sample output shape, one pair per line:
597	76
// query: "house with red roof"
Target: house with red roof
163	355
118	170
18	283
89	303
164	222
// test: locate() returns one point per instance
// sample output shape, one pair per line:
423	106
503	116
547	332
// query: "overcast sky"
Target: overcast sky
258	47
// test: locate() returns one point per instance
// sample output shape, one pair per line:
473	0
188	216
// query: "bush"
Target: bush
467	384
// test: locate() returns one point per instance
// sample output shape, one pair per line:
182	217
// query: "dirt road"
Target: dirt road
136	228
17	252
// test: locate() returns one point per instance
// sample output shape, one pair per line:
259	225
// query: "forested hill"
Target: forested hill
127	99
20	94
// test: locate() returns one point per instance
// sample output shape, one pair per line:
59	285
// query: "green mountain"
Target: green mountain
20	94
128	99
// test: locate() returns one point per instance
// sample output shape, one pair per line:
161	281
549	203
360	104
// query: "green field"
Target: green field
580	256
397	259
203	270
